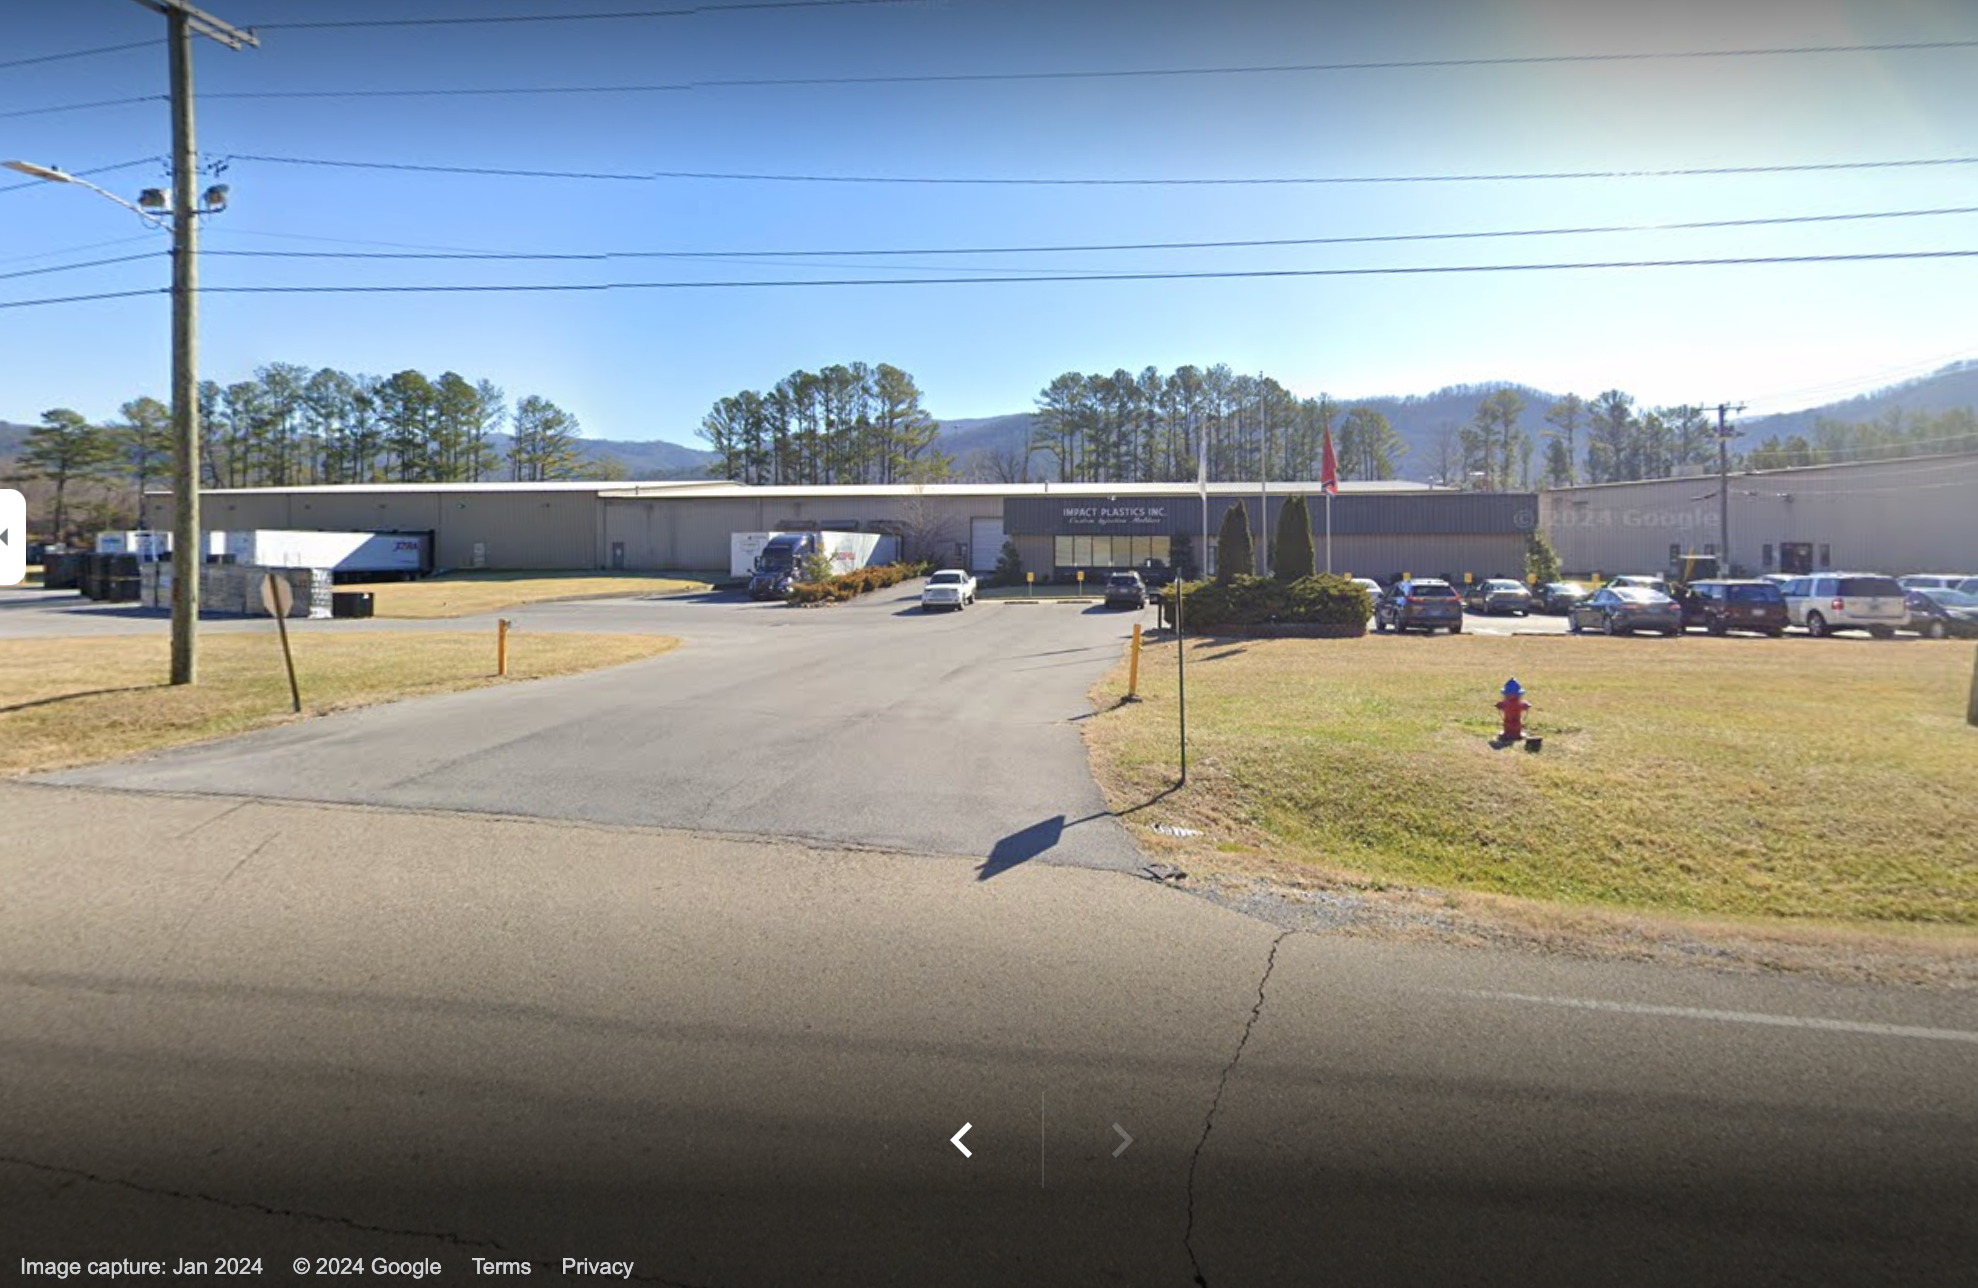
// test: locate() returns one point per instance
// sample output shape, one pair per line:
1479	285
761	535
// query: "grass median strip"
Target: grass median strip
1791	779
465	594
76	701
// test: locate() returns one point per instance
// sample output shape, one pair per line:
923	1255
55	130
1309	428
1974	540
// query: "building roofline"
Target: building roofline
1708	476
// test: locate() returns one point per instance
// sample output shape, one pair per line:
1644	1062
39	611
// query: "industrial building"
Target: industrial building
1915	514
1379	529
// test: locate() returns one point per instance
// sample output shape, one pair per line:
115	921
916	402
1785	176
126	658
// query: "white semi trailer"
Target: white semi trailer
778	558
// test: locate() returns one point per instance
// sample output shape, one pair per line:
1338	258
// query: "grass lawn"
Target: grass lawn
74	701
463	594
1777	779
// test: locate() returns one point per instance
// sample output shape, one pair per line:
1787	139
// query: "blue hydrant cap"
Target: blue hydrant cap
1511	689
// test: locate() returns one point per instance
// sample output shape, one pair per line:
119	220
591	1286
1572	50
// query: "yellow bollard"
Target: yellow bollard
501	647
1133	668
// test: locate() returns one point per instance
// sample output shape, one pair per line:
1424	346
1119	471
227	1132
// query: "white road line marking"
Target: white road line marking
1731	1017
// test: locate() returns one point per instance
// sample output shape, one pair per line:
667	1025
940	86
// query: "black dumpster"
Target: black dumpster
352	603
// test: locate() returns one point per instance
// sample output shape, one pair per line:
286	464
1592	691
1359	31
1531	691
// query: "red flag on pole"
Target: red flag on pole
1330	476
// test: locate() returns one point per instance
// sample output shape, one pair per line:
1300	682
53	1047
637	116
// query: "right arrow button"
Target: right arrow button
1124	1140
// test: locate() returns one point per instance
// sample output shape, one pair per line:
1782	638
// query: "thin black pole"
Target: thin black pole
1181	672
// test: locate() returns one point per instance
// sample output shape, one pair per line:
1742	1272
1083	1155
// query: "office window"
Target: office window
1061	552
1826	560
1157	548
1710	547
1765	556
1102	553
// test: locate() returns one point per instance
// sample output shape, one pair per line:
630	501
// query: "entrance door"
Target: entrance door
1796	558
985	544
618	556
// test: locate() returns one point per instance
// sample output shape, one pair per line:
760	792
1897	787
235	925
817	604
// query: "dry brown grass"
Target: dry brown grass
464	594
75	701
1792	781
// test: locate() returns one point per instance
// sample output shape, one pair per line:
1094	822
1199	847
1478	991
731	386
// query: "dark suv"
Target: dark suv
1421	604
1722	606
1125	590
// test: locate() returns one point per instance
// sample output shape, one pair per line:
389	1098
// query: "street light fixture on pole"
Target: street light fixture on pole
182	23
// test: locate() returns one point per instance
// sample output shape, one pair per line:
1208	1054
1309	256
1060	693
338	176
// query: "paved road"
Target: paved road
869	723
281	1030
245	1010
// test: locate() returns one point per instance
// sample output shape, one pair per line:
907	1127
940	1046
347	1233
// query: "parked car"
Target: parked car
1558	596
1941	614
1934	580
1499	595
1125	590
1423	604
948	588
1372	587
1969	586
1623	610
1723	606
1643	581
1779	579
1846	601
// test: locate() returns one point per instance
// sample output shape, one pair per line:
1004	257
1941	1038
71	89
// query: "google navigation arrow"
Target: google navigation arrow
956	1140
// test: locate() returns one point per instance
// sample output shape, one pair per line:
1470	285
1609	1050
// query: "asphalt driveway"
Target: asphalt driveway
868	724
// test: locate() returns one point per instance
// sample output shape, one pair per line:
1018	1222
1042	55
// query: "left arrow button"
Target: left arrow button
956	1140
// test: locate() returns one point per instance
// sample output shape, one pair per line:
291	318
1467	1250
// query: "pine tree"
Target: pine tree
1009	566
1292	556
65	449
1181	556
1234	553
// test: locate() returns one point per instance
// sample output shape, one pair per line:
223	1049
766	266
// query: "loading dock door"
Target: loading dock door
985	544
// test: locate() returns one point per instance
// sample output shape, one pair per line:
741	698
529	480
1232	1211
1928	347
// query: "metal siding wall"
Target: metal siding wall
1887	516
703	525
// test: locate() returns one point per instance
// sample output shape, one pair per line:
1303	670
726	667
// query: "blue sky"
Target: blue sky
647	363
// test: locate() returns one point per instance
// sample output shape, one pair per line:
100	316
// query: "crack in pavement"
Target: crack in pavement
76	1175
1209	1122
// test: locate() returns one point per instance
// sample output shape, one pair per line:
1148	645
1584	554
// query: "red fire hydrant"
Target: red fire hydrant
1514	707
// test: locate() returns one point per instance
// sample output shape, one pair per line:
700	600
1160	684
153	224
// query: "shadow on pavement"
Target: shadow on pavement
1020	847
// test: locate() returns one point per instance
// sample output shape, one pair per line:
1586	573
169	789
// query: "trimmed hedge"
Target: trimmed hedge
1321	600
859	581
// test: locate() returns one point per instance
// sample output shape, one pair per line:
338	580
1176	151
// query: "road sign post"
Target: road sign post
278	597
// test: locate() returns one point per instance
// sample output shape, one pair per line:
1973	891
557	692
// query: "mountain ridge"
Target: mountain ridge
1419	419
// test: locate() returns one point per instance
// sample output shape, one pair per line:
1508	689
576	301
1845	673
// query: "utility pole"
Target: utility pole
1724	435
182	23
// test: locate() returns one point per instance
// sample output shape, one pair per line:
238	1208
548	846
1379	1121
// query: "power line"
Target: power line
80	174
1693	172
93	263
70	250
530	288
691	12
83	107
1398	64
870	252
78	299
79	53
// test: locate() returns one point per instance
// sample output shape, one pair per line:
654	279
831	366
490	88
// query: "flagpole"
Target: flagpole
1329	480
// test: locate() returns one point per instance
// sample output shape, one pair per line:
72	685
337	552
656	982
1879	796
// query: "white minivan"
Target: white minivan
1846	601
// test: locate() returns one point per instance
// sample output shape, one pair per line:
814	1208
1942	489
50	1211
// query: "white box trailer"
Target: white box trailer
743	548
848	550
149	544
372	552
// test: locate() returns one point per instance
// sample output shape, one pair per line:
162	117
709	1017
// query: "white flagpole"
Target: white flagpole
1328	532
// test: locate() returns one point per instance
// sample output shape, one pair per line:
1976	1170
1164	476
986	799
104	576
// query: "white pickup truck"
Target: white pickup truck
948	588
